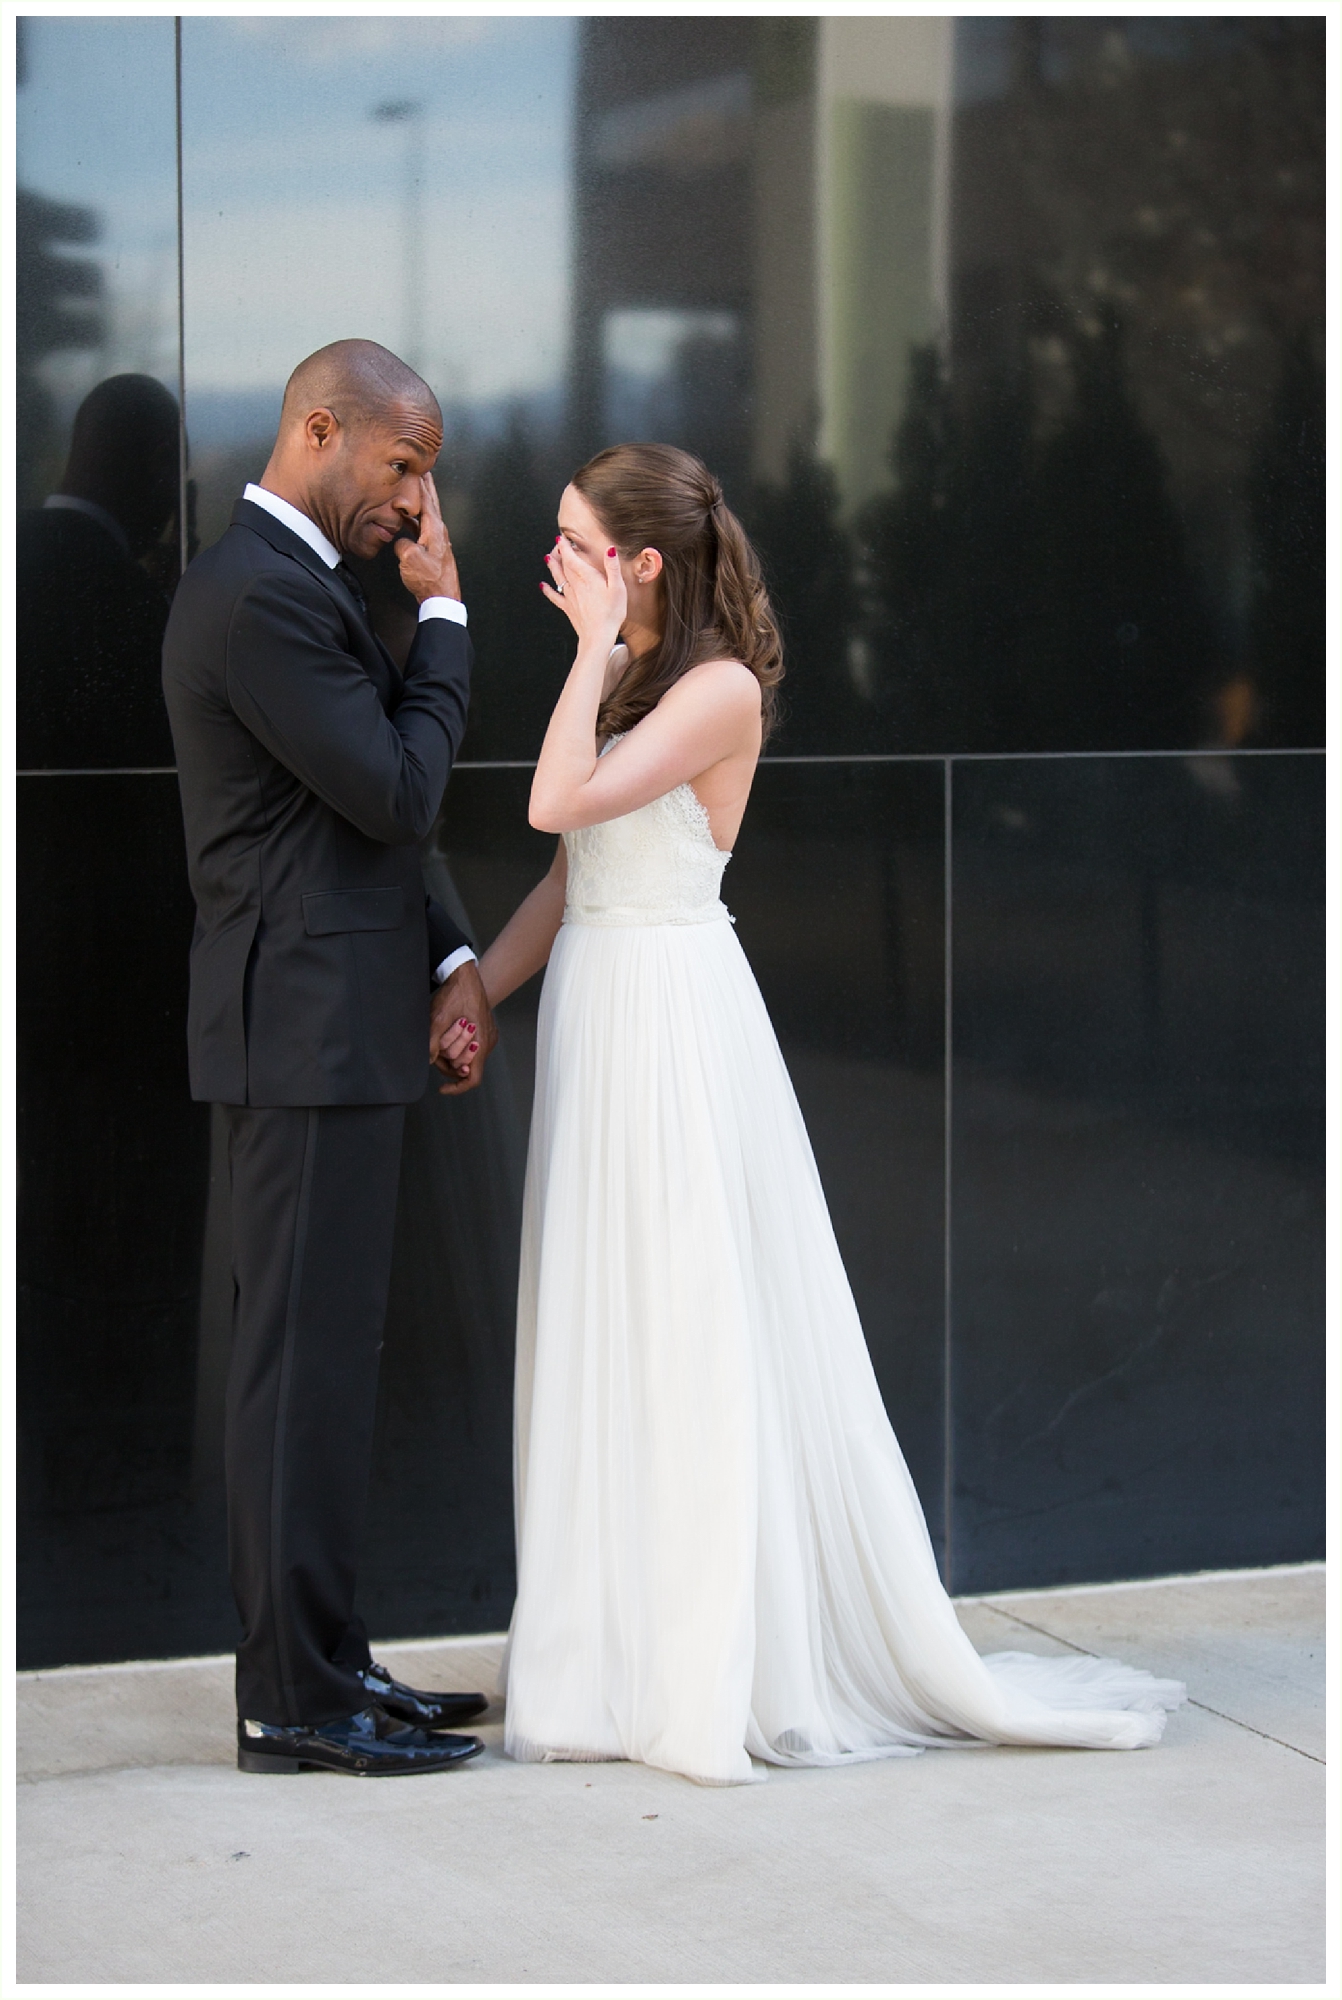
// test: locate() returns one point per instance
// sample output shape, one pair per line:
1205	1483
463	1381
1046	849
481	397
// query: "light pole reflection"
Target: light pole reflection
409	112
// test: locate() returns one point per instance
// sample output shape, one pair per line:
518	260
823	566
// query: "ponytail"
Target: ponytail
742	614
714	603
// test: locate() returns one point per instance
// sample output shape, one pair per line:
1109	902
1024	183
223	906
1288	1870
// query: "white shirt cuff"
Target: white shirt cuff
443	607
463	955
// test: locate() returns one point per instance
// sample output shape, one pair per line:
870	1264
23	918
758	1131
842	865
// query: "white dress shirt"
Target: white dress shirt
432	607
308	531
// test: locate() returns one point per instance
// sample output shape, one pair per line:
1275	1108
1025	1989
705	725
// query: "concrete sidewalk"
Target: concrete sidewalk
145	1857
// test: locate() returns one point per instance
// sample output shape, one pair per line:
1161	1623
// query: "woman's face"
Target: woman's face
581	530
587	539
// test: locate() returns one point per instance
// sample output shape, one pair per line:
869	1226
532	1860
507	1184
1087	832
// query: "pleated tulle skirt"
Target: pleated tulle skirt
721	1554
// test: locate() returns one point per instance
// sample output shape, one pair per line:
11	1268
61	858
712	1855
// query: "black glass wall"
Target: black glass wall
1005	338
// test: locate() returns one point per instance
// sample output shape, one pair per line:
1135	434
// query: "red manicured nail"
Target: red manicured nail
610	552
474	1047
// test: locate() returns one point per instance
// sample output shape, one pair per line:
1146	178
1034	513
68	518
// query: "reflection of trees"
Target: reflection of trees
56	307
808	563
1286	504
1119	648
1029	584
1026	583
523	646
944	563
1171	171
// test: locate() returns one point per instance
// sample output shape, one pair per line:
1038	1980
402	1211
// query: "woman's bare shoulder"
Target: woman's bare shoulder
724	685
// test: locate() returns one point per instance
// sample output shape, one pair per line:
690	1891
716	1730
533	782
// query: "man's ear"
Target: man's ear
321	428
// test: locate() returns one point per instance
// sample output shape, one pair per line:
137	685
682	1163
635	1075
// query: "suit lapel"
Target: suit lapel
370	652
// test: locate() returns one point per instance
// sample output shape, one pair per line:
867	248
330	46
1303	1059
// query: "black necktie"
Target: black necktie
352	585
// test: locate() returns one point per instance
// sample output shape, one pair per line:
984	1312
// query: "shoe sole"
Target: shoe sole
261	1765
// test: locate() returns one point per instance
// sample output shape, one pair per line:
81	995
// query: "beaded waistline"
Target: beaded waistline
613	916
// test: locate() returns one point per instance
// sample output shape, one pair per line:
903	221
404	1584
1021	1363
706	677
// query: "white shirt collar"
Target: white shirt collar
293	518
74	505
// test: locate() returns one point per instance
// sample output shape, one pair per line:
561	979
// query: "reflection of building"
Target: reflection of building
761	234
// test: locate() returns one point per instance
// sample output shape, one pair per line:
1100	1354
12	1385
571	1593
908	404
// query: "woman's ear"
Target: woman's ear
648	566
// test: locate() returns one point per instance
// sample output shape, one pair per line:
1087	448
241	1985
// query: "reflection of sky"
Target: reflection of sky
294	198
94	126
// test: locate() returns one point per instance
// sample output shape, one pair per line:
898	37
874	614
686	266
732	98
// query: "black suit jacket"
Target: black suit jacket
310	770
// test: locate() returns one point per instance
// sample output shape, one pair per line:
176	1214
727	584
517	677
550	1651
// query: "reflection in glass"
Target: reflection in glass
90	610
111	1151
1026	318
1138	1175
998	314
96	279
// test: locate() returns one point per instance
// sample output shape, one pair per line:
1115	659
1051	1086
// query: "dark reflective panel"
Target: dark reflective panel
837	889
97	440
1006	336
113	1155
1137	1186
113	1159
1126	452
1004	340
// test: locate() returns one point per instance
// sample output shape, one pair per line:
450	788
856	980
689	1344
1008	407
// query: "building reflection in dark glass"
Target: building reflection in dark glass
1004	335
1000	335
111	1151
1027	344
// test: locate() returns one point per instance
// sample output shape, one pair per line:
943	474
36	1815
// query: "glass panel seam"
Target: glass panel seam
183	521
947	1417
919	757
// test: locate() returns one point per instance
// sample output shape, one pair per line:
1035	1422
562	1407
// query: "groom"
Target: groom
310	770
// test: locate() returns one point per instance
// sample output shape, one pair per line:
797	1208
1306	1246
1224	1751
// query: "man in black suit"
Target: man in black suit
310	770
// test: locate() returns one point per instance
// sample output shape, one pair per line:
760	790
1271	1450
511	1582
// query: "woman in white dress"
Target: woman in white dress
721	1555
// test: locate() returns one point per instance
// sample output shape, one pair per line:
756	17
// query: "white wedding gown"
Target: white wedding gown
721	1554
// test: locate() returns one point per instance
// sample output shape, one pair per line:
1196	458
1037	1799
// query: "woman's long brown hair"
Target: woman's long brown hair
714	604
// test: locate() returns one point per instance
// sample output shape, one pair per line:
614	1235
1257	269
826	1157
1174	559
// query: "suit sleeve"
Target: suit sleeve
292	682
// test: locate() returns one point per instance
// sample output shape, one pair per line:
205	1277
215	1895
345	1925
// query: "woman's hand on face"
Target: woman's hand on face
594	600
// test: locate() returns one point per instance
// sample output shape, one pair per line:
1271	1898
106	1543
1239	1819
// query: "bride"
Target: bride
721	1555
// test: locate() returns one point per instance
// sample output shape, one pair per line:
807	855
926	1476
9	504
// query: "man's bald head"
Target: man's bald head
360	383
359	433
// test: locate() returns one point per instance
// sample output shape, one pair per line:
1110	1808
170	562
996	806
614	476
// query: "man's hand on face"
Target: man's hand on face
461	1030
428	566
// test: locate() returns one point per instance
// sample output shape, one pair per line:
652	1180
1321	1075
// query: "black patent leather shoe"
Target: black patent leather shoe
426	1711
371	1744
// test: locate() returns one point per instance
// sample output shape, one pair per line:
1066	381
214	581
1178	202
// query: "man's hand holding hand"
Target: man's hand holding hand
428	566
461	1030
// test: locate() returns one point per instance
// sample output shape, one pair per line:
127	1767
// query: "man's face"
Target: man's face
367	484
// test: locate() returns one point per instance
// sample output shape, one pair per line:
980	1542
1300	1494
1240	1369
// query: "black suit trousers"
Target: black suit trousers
313	1197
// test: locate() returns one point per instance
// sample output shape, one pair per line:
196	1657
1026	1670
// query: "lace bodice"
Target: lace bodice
657	865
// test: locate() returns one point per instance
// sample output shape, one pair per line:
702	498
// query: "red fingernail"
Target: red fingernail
610	552
474	1047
